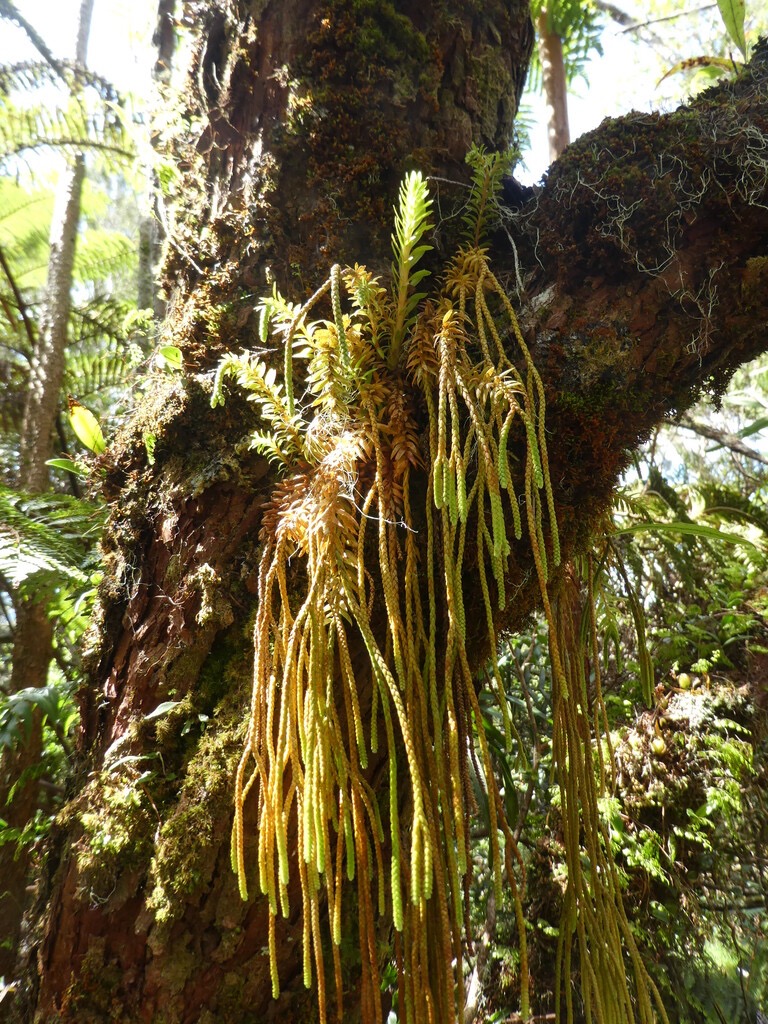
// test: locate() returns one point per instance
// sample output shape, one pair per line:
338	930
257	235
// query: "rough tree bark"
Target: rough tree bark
642	281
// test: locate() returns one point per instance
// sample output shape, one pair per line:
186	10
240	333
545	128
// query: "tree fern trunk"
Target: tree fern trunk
555	86
47	370
150	240
32	643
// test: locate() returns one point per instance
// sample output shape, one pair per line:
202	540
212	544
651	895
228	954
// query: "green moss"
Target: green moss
177	969
187	843
215	609
387	36
755	281
94	996
380	34
230	1001
495	88
117	830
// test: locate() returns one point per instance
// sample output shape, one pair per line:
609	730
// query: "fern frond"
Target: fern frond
274	310
19	209
14	375
46	536
73	130
27	76
103	319
25	219
102	254
94	369
329	376
268	445
228	367
368	300
482	205
288	428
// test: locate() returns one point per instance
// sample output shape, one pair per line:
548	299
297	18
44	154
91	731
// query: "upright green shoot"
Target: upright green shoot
411	222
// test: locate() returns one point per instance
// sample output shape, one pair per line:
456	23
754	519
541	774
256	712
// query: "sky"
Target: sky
615	85
120	33
627	74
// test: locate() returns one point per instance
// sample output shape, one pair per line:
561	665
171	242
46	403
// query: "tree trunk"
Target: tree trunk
33	632
642	283
47	370
150	241
555	85
19	785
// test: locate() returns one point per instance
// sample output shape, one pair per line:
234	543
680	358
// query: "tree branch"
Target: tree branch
647	279
635	26
723	437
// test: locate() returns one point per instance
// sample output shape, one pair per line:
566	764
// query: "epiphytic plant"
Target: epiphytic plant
398	367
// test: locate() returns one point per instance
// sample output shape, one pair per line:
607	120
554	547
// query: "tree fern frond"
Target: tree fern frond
75	130
14	377
48	535
27	76
101	254
92	371
579	23
102	317
25	218
19	208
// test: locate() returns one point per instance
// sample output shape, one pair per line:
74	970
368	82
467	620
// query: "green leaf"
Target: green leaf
732	12
86	427
150	440
420	274
697	64
68	465
688	530
169	358
162	709
753	428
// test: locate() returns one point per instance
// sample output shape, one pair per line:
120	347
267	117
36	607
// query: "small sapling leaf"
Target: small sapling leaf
162	709
169	358
68	465
86	427
732	12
